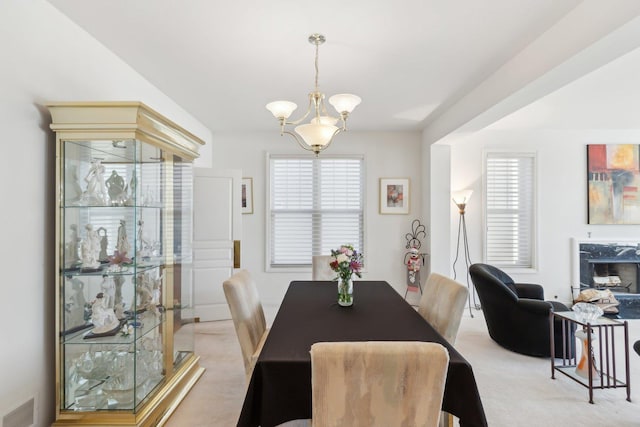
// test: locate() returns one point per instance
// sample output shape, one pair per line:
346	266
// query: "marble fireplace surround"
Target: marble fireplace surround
614	257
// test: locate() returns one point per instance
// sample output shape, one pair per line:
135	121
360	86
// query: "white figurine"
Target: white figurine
77	303
145	291
104	243
96	192
72	190
108	291
122	245
131	197
118	309
156	291
71	257
90	249
103	318
118	281
144	247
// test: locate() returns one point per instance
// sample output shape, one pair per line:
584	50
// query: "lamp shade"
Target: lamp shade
461	197
344	102
281	109
316	134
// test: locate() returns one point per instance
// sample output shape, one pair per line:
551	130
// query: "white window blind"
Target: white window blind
509	204
316	204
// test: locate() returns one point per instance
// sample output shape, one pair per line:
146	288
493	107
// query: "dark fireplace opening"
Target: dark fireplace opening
615	276
614	266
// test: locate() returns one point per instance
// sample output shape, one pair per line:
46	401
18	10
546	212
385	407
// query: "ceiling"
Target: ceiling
409	61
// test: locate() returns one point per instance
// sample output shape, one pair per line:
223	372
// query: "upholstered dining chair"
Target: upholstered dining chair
320	269
377	384
442	304
248	316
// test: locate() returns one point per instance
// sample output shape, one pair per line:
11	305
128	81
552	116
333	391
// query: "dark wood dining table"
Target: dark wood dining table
280	386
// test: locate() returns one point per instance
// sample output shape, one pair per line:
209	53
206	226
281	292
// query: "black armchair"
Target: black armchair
516	314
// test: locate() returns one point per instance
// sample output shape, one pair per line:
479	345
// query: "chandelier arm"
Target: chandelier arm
300	142
298	121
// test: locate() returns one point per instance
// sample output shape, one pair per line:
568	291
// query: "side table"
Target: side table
597	368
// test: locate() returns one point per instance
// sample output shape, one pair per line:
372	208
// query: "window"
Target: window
509	216
316	204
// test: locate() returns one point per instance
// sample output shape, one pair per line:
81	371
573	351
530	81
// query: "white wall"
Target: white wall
562	196
386	155
45	57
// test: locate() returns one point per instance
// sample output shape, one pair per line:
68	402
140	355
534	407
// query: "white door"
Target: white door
216	225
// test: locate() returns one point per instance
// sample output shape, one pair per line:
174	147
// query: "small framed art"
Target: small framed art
394	196
247	195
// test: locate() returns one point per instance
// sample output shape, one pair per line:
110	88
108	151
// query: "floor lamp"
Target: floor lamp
461	198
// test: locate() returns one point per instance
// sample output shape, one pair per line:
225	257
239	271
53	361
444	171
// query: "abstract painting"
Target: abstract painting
614	182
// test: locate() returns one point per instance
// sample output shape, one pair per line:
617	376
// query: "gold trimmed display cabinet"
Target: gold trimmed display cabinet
124	301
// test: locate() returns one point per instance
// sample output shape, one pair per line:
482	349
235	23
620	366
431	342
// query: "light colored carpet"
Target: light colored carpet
516	390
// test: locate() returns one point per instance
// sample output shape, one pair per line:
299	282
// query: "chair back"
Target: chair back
492	290
498	274
442	304
320	268
247	313
377	384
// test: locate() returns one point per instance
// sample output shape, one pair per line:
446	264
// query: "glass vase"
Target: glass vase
345	291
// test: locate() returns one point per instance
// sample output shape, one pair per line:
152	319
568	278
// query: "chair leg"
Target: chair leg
446	420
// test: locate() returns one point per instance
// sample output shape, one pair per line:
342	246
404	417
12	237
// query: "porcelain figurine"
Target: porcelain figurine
96	192
90	249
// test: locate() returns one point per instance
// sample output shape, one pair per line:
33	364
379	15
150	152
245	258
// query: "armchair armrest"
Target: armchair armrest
534	306
529	290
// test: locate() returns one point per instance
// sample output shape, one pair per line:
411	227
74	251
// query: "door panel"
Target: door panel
217	223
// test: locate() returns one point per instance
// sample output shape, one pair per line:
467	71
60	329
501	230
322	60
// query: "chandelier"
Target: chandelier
318	133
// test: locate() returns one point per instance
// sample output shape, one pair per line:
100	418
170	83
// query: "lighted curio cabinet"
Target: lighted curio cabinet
124	301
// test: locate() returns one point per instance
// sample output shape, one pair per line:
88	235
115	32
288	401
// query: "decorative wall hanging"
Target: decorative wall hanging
613	173
247	195
394	195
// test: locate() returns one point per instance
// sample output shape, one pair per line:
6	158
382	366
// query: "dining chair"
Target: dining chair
320	269
248	316
442	304
377	384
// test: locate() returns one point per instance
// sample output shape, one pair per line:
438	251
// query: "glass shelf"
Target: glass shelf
132	269
148	320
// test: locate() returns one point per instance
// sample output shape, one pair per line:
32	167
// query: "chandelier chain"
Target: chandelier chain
317	48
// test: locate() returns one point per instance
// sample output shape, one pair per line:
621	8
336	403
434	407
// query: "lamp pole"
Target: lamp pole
462	232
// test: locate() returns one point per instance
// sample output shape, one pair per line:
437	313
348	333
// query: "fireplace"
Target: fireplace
611	265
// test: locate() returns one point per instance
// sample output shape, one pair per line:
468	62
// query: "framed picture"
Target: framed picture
247	195
394	196
613	176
